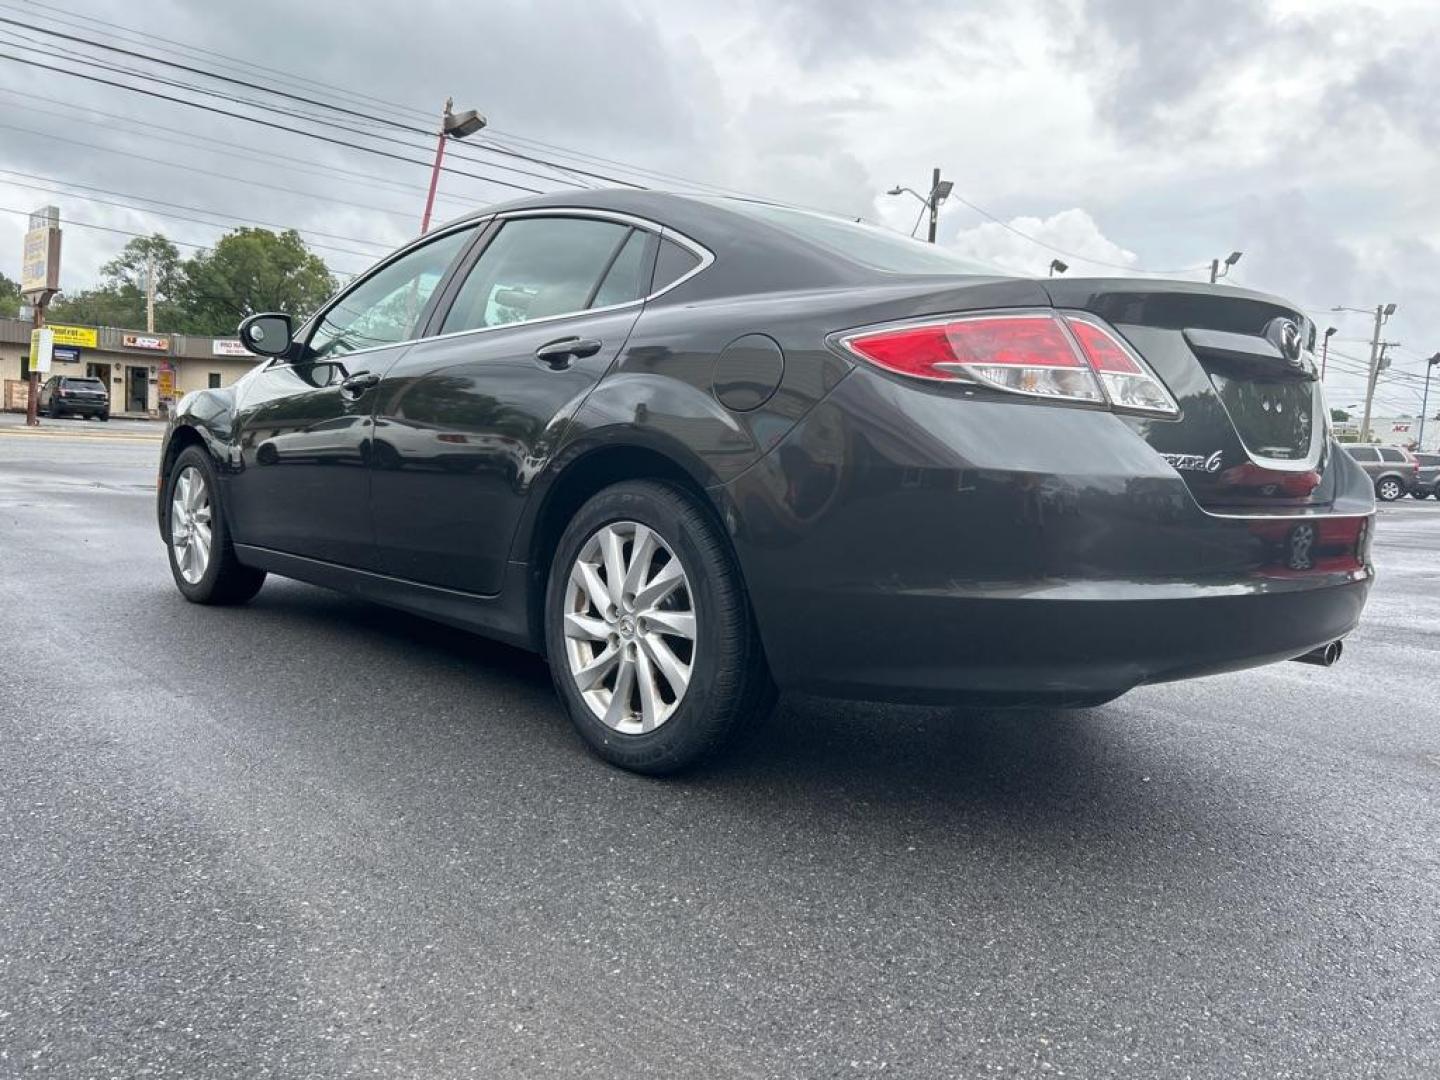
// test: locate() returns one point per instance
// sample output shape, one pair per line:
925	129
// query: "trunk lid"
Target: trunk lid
1253	430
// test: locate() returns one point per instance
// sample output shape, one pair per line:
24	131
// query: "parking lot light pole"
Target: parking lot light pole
1425	400
453	125
1230	260
939	192
1325	350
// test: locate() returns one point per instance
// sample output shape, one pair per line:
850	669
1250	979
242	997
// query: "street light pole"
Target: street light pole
452	126
1325	350
1230	260
939	192
1425	401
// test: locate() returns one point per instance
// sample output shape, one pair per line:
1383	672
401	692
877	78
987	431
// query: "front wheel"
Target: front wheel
1389	489
202	558
651	642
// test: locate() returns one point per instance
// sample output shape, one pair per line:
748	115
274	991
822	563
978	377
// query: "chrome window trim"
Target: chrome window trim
664	232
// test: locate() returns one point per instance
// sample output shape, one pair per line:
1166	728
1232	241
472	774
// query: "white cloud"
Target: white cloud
1073	232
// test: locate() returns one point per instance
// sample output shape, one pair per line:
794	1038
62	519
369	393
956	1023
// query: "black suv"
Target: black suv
70	395
1392	470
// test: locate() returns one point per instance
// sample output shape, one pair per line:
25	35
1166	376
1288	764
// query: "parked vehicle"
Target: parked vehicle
1427	476
694	448
74	395
1392	470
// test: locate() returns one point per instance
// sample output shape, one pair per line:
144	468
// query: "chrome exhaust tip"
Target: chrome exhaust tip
1325	655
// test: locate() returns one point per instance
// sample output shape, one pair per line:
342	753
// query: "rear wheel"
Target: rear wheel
1389	489
202	559
651	643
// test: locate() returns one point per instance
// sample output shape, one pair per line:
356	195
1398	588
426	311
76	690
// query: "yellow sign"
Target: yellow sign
84	337
167	383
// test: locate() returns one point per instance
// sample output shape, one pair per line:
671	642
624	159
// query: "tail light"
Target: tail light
1062	356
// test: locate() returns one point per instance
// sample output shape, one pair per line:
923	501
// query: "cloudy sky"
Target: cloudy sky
1123	136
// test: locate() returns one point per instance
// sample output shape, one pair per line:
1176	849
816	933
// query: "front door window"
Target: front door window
386	308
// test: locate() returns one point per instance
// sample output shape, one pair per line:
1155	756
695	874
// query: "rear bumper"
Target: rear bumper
1066	644
899	550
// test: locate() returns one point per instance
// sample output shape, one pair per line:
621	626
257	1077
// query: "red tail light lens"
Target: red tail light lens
1065	356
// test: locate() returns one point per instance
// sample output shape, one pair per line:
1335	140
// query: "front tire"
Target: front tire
652	646
202	558
1389	489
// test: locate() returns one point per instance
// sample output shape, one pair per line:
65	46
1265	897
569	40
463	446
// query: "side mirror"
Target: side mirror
269	333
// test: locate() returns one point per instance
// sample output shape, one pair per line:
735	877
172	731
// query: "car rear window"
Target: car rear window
1428	459
82	384
861	242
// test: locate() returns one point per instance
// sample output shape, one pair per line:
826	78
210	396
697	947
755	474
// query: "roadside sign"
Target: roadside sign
146	341
40	263
166	383
42	348
80	337
228	347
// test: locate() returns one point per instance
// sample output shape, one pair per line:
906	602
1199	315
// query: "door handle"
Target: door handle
560	354
358	383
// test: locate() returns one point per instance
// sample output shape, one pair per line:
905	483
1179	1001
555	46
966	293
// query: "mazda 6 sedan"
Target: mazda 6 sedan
698	449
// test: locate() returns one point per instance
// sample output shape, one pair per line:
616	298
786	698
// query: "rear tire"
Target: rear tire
679	644
1388	489
202	558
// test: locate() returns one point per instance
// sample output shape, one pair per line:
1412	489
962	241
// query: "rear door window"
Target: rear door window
1386	454
673	263
539	268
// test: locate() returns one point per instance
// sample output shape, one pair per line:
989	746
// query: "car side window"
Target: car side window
537	268
385	308
673	263
1362	453
1386	454
623	281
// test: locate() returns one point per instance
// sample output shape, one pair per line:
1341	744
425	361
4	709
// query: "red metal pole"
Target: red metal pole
434	179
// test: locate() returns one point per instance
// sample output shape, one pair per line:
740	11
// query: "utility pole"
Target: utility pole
1325	350
150	294
934	203
1382	312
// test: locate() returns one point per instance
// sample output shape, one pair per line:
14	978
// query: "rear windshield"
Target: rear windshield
861	242
1428	459
82	384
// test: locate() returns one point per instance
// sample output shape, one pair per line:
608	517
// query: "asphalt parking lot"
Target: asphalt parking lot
313	838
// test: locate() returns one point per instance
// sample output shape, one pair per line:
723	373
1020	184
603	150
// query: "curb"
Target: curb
101	436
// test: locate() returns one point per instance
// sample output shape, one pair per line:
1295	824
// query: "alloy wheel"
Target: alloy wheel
190	535
1389	490
630	627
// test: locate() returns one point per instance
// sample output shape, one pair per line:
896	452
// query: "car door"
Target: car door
469	417
303	426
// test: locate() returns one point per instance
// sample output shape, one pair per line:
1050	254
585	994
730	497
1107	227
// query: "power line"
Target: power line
229	147
53	189
119	232
203	172
263	123
329	106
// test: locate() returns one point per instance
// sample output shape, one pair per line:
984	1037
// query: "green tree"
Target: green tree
1337	415
9	298
251	270
119	299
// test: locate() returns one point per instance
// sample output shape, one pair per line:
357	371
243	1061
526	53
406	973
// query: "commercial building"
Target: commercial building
145	373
